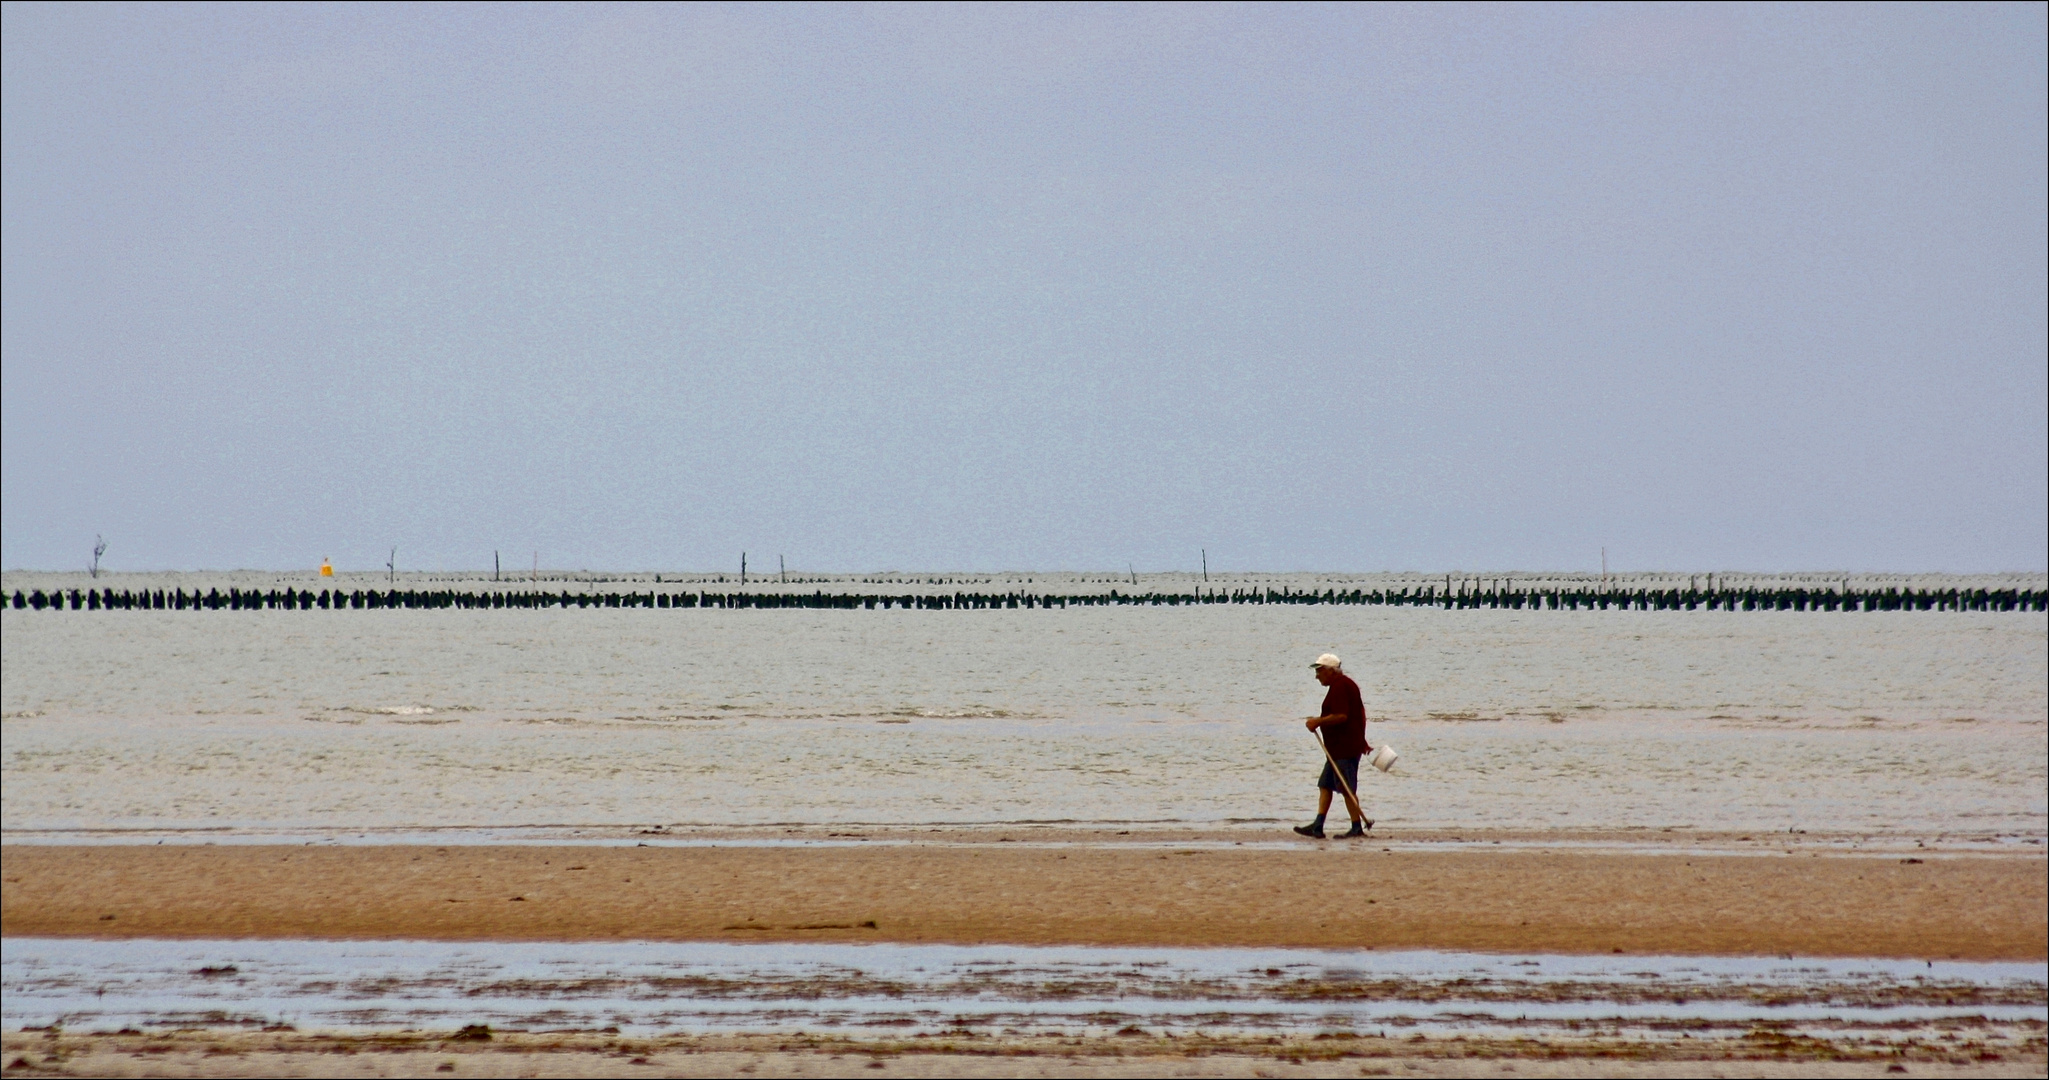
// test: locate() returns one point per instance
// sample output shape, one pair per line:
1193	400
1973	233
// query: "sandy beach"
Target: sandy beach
1009	889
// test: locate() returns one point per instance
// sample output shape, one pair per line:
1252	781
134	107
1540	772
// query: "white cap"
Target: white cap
1329	660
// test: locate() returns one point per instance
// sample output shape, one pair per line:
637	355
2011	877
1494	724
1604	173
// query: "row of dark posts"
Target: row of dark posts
1689	599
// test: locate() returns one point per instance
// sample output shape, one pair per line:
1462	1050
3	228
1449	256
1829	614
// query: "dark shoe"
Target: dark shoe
1314	832
1357	831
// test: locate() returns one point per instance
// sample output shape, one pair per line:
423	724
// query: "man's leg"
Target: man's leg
1315	828
1360	823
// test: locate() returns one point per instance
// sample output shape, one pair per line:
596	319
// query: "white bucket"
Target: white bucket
1384	758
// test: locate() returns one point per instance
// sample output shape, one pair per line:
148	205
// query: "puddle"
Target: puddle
696	987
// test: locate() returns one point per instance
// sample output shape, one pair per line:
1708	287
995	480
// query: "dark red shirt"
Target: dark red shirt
1347	737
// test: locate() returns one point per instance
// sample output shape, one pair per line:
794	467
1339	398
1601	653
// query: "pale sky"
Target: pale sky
1334	288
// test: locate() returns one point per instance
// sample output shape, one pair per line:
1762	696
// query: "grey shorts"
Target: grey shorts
1349	766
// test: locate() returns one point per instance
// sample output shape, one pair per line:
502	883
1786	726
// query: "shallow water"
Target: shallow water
271	722
1216	663
269	776
645	987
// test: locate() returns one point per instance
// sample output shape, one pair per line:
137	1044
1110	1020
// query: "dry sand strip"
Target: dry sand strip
197	1053
1957	907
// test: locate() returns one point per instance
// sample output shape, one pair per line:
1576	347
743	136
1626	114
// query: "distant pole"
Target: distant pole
782	571
1604	568
391	568
743	569
537	566
494	566
1205	566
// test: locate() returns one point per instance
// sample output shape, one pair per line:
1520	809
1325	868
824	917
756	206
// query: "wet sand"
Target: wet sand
191	1053
1961	906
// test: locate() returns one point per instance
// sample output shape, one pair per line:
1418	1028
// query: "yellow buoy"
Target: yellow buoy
325	569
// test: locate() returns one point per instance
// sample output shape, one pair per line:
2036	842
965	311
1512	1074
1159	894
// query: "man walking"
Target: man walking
1343	730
